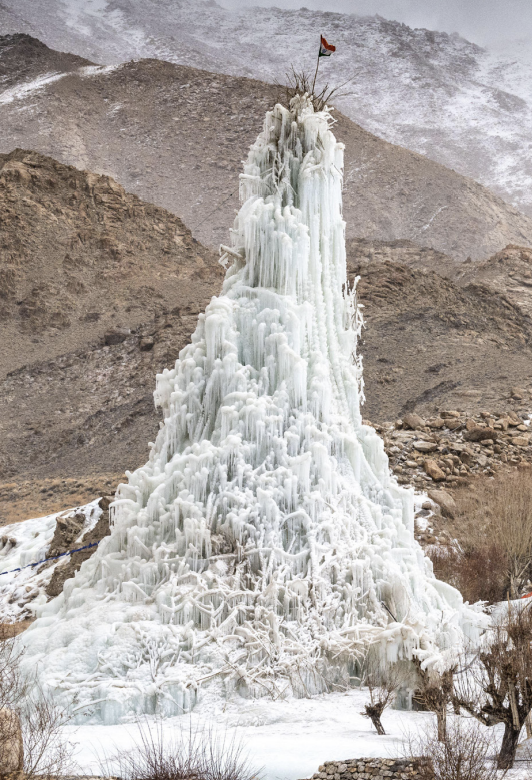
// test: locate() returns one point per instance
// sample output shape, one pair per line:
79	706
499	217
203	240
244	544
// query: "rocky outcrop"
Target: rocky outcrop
448	451
73	562
459	446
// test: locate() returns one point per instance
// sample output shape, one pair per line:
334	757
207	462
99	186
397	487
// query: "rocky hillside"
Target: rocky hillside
430	343
508	271
83	260
98	292
176	136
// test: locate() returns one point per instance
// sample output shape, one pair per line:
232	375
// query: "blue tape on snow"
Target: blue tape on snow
44	560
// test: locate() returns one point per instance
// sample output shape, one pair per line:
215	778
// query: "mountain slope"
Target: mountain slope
434	93
81	256
25	61
430	344
176	137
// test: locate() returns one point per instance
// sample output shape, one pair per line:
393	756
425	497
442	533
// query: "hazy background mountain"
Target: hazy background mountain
176	136
435	93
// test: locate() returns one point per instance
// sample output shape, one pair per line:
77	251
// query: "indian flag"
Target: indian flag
325	48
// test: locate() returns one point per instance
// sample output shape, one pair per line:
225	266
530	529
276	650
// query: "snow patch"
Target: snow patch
22	91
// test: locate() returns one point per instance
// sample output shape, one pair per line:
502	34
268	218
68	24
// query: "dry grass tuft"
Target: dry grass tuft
301	82
193	754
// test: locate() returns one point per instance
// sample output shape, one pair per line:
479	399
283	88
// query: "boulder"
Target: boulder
146	344
453	424
413	421
436	422
479	434
67	529
449	414
445	501
433	470
425	446
104	502
116	336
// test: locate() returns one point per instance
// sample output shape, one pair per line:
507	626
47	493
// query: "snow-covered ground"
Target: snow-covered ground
288	739
25	543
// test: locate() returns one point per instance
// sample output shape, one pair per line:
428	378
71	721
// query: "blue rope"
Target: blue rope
87	546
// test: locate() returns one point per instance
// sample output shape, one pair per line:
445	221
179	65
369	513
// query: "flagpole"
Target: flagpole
316	72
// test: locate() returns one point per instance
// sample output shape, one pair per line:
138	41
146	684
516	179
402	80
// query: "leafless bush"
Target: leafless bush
301	82
382	687
479	573
464	754
32	723
498	688
435	694
197	754
493	530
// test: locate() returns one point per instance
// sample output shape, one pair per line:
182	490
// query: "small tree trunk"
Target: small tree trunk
374	713
510	741
528	724
378	725
441	715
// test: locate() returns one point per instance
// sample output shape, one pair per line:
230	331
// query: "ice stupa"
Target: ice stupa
264	544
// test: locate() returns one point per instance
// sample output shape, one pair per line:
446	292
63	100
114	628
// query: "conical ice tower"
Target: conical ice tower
264	544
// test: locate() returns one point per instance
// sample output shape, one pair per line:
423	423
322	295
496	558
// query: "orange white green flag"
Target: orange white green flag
326	49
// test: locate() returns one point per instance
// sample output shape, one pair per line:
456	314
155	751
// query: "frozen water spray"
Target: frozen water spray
265	543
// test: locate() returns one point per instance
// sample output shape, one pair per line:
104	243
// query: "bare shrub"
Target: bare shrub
301	82
47	754
479	572
32	723
435	694
382	687
492	556
464	754
197	753
498	688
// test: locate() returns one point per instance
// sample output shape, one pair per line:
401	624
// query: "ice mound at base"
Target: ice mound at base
265	543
